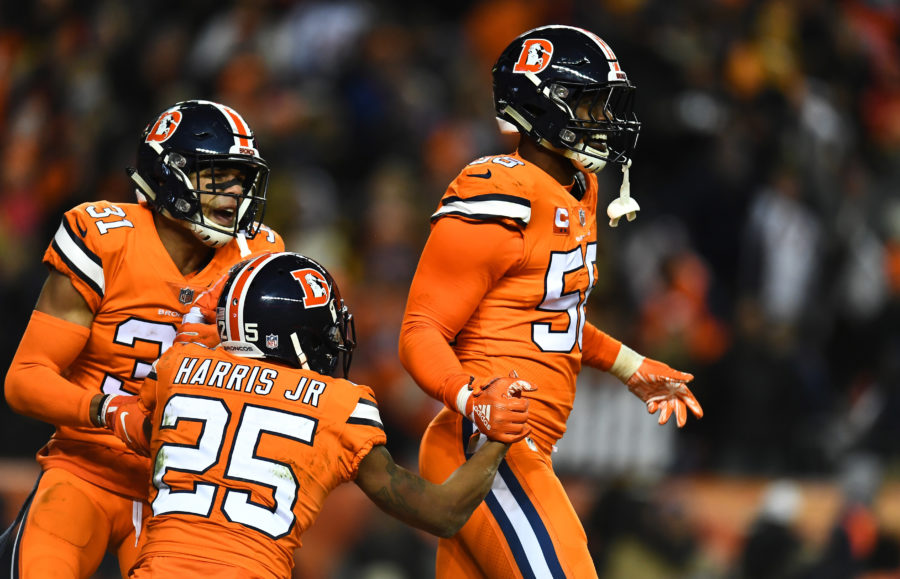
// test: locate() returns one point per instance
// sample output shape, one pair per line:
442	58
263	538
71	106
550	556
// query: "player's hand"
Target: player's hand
664	389
198	326
128	418
498	409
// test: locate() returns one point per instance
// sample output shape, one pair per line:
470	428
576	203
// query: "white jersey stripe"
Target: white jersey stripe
492	208
78	259
366	412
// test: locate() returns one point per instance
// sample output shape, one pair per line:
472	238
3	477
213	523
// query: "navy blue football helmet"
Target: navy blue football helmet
286	307
184	140
564	87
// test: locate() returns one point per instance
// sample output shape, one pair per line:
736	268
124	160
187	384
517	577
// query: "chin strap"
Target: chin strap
242	244
301	355
623	205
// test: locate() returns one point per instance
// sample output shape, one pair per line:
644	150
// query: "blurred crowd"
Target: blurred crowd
765	258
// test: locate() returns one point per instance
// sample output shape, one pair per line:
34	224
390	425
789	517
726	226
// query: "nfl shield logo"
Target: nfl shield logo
186	295
581	217
271	341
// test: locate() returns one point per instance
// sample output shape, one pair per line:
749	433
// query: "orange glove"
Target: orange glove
128	418
199	326
498	409
658	385
664	389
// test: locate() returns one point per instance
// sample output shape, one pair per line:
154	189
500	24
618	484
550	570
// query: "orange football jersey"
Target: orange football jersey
532	319
116	261
246	453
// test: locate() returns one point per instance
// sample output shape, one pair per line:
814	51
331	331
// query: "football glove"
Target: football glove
127	418
198	326
662	388
497	407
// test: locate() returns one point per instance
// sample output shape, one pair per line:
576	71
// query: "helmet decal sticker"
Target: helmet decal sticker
535	56
315	287
165	127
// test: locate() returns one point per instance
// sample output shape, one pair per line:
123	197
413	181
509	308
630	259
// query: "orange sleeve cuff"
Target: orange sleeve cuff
599	348
34	384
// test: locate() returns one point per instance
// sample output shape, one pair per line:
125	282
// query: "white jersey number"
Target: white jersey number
243	464
561	265
111	211
128	333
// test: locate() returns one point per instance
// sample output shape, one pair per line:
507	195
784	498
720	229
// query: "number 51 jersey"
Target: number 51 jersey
245	453
114	258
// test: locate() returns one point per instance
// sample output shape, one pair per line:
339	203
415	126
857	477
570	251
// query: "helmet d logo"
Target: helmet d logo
535	56
165	127
316	292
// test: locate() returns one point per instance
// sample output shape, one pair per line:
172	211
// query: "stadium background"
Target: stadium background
765	259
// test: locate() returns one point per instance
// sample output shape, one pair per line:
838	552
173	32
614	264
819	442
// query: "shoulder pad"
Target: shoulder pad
491	188
85	239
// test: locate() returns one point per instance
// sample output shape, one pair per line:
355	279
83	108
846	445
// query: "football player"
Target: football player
121	276
502	285
250	437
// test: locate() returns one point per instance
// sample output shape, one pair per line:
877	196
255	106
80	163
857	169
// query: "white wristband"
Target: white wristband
462	399
194	316
104	406
626	364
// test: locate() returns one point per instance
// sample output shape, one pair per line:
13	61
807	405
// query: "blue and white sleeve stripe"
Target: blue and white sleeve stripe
86	264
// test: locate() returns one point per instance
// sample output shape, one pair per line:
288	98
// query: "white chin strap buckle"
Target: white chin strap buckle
623	205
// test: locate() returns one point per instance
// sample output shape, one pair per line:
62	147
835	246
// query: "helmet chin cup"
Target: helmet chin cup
207	235
585	162
215	236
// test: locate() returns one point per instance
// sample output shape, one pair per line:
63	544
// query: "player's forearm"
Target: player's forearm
440	509
599	349
34	385
40	393
428	358
459	265
466	488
